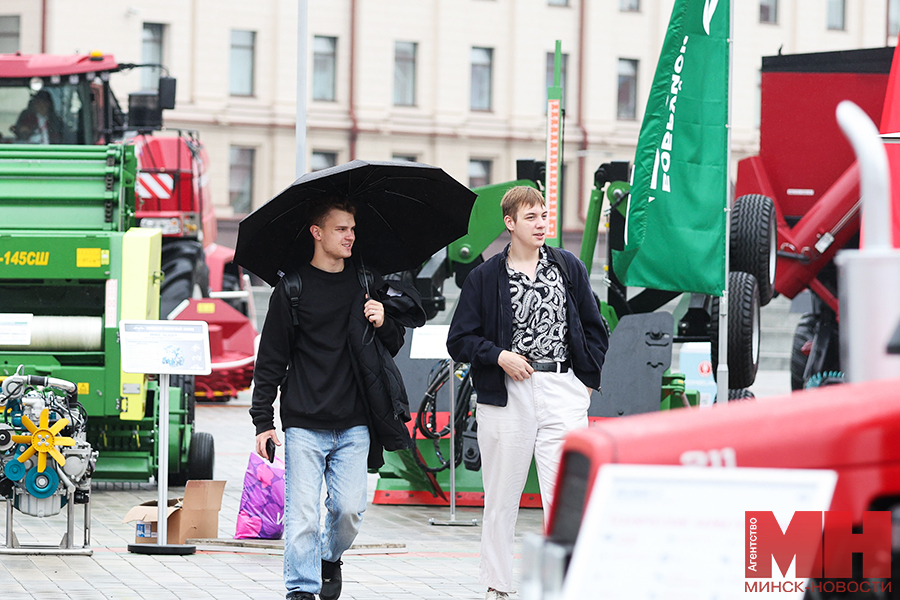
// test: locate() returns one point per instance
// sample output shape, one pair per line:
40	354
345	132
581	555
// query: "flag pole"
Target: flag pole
722	370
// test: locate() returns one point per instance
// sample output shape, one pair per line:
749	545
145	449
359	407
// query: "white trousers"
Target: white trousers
539	413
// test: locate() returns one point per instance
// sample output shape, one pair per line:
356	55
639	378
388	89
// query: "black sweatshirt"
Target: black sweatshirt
320	390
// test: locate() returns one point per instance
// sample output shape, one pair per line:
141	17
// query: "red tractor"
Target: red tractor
808	169
67	99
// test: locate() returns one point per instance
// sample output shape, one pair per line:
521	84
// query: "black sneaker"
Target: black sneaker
301	596
331	580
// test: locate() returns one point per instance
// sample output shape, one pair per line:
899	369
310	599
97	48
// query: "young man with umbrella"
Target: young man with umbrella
319	348
529	325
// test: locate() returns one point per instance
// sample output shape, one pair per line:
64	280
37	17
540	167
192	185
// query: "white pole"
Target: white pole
162	471
722	371
302	43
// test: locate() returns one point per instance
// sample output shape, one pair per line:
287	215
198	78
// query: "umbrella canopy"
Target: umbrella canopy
405	212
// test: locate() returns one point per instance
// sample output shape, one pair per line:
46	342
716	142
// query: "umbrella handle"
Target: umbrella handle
369	326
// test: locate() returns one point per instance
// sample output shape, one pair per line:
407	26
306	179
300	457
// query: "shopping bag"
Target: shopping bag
261	514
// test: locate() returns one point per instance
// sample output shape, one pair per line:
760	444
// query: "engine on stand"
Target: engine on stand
46	462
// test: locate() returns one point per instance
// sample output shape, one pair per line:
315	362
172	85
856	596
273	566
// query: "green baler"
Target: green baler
71	267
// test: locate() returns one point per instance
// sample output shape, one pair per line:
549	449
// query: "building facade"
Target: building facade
461	84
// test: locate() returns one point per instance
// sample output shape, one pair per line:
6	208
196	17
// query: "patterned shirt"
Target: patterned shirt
540	329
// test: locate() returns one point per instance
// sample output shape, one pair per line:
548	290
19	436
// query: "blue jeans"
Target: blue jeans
340	457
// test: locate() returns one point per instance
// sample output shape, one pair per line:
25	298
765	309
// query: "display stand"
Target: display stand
430	342
66	545
164	348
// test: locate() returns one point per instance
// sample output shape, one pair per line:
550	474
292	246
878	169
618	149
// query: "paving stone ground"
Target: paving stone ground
424	561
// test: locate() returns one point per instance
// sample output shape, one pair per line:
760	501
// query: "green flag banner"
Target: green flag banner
675	224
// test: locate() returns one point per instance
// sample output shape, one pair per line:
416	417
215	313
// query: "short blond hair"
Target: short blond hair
517	197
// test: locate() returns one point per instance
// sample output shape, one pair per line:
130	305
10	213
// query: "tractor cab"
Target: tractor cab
56	99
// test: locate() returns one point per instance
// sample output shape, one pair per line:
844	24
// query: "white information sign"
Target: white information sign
429	342
165	347
15	329
678	532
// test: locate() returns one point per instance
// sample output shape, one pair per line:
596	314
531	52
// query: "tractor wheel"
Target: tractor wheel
188	388
231	282
743	330
753	241
186	275
806	329
201	456
741	394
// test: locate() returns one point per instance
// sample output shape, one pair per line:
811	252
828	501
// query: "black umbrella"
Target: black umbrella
405	212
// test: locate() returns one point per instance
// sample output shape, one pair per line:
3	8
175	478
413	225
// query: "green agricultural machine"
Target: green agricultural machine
72	265
422	476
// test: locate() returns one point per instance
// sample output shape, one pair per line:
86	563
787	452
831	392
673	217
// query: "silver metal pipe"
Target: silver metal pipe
869	278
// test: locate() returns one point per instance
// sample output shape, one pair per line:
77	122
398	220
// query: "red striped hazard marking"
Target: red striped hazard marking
154	185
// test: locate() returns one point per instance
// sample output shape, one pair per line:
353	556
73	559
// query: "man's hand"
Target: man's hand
261	442
515	365
374	311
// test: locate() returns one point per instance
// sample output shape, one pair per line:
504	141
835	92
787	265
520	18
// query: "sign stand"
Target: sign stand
430	342
164	348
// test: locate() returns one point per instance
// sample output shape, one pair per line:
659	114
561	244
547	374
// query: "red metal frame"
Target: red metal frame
805	164
232	341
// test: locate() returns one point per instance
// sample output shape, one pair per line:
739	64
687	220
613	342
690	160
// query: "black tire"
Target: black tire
201	456
231	282
743	330
754	241
806	329
188	388
186	274
741	394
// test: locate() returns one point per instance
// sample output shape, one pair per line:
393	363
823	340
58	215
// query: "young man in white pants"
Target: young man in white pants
529	325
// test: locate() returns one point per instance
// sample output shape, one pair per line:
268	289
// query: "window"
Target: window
629	5
9	34
562	75
836	12
242	56
403	158
768	11
482	64
479	172
151	53
241	179
324	68
894	18
627	102
322	160
404	73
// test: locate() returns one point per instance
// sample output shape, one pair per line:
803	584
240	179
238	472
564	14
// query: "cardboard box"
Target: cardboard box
196	515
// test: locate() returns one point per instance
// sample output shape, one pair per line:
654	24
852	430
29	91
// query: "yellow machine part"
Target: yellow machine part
141	277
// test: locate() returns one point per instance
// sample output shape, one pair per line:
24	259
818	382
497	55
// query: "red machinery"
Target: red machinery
172	188
807	167
848	428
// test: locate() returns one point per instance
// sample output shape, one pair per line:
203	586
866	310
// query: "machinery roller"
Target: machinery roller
64	334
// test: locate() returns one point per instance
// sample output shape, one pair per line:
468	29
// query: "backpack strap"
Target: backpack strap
294	285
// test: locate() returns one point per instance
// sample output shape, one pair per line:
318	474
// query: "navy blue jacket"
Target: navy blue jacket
483	324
